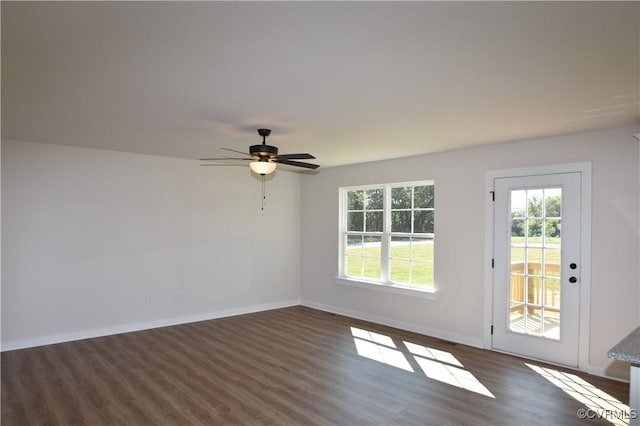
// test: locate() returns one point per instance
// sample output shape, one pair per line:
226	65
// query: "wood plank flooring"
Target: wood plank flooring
292	366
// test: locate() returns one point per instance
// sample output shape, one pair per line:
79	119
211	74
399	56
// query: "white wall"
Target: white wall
96	242
457	312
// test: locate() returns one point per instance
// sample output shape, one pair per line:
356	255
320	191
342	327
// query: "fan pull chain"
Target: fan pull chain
264	196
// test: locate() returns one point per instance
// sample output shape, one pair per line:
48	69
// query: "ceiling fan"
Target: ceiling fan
264	158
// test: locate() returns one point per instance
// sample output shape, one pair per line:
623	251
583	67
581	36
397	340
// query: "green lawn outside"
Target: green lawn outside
420	271
403	269
551	251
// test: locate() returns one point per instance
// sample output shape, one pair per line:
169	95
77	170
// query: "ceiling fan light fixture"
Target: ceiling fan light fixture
262	167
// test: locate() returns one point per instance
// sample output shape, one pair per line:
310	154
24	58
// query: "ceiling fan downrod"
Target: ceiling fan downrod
264	133
263	150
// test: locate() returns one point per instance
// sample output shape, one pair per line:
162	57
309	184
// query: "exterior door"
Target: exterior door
536	288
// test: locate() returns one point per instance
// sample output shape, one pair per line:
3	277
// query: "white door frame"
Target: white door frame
584	168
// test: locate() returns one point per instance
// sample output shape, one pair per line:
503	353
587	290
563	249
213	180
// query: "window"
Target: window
387	234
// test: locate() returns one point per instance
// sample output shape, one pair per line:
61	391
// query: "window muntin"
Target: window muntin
387	234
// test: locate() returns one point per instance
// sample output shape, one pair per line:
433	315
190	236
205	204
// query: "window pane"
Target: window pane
517	229
552	262
354	266
516	288
518	204
534	256
373	258
534	203
400	247
534	320
552	324
400	270
372	268
374	222
422	249
372	246
375	199
355	221
371	239
422	273
552	293
423	197
354	245
534	266
401	221
516	318
401	198
355	200
517	258
423	221
534	231
534	290
552	231
553	202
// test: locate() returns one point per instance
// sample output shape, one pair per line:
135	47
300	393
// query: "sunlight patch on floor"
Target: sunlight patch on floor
379	347
382	354
601	404
373	337
436	364
444	367
435	354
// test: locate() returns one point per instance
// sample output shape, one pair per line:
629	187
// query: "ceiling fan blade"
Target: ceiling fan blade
297	164
223	164
296	156
233	150
223	158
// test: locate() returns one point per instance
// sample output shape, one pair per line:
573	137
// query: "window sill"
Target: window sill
387	288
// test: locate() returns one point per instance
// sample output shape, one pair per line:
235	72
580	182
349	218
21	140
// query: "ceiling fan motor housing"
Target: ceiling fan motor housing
263	150
264	153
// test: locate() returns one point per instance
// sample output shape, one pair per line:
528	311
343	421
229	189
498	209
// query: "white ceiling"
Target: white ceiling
346	81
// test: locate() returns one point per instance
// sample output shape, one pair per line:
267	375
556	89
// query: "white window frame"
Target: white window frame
384	284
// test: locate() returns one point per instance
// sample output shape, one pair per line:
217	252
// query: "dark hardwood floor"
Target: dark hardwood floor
289	366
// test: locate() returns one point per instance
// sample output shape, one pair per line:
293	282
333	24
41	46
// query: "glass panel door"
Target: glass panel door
535	245
536	277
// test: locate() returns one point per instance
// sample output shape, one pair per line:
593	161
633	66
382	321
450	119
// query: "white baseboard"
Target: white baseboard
601	372
416	328
147	325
